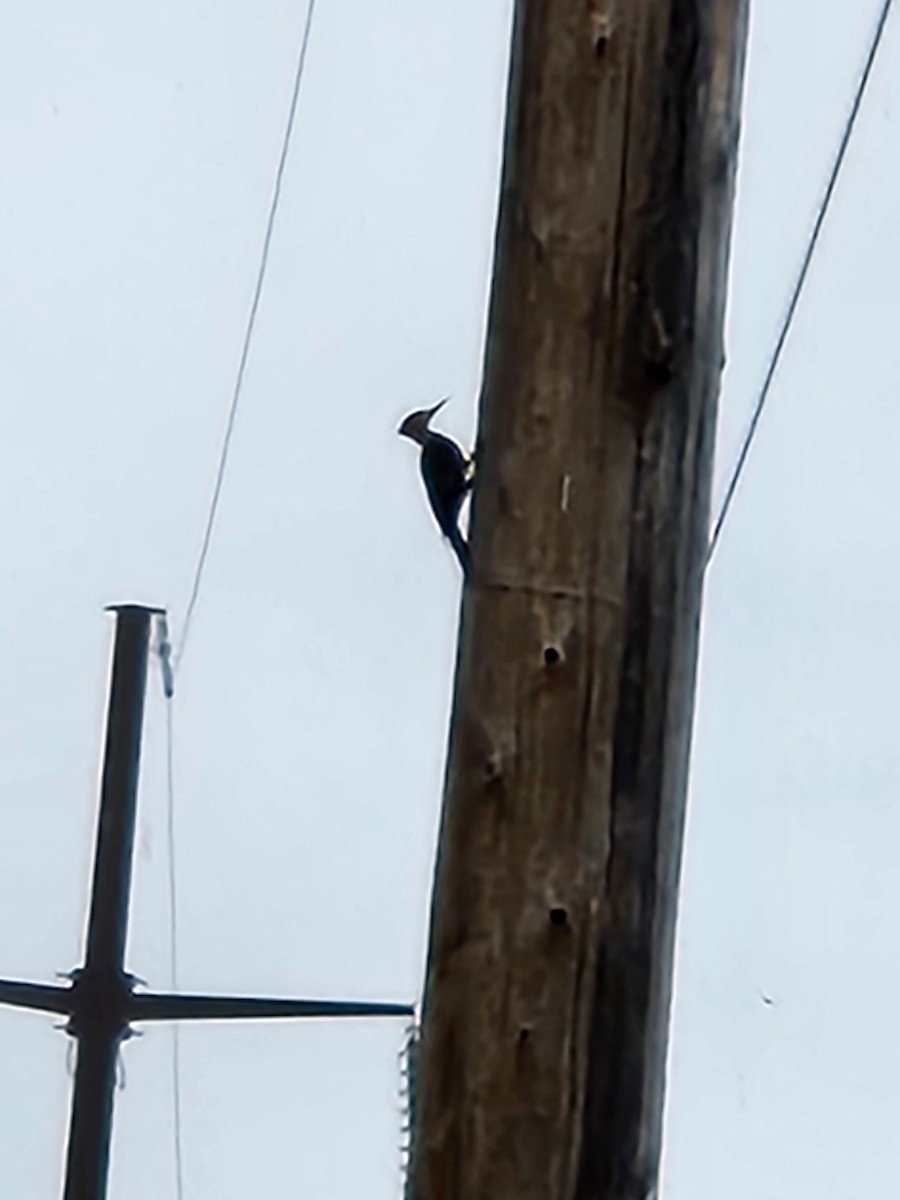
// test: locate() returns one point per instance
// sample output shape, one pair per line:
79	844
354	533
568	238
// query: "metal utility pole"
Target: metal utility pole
101	1002
100	1020
541	1066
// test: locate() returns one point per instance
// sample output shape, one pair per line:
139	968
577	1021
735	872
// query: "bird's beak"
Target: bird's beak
437	408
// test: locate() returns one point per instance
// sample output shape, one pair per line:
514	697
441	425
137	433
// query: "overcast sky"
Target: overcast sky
138	145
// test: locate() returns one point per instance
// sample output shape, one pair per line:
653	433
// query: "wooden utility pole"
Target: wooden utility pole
542	1062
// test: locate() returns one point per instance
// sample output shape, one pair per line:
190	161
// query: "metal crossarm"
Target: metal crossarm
157	1006
99	1000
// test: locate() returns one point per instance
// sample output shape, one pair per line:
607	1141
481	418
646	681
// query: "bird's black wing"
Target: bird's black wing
444	472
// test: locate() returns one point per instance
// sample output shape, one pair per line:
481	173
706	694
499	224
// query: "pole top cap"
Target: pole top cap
122	609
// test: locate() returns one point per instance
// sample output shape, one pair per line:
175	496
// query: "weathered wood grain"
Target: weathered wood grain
542	1064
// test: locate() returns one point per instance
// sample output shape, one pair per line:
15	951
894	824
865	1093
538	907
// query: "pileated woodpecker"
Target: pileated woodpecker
447	473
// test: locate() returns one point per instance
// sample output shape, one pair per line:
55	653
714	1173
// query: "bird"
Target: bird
447	474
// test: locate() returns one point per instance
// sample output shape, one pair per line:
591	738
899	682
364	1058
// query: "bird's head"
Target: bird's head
415	426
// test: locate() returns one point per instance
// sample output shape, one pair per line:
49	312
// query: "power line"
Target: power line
169	661
801	279
173	942
164	651
248	337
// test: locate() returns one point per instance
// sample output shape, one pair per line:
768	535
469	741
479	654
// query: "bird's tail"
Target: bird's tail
461	549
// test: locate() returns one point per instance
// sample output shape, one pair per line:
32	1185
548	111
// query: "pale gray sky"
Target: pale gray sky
139	144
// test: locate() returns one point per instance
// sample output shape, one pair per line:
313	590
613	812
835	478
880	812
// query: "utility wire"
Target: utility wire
173	942
801	279
164	650
248	337
169	661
